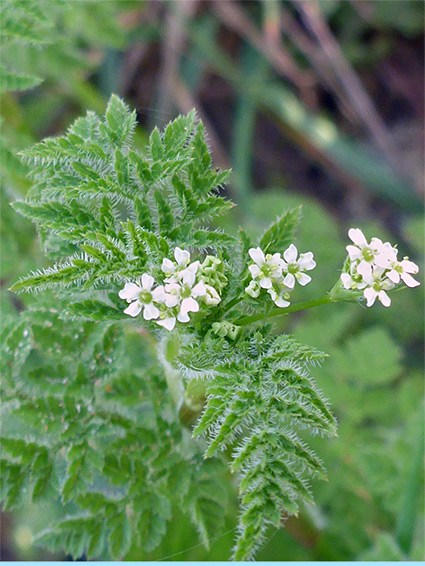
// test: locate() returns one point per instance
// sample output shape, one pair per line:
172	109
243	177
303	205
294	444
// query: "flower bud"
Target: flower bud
211	272
226	328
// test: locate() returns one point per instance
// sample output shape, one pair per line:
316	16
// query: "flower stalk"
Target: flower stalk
278	311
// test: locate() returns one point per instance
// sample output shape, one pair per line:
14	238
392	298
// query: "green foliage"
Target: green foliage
106	214
42	36
114	215
272	462
27	23
282	232
375	382
73	428
371	507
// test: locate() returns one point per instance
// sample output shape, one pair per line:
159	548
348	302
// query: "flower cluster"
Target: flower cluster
277	275
185	285
374	268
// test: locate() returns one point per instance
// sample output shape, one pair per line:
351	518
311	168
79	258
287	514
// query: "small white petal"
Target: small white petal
168	266
182	256
357	236
255	271
257	256
199	290
409	266
276	262
353	252
194	266
289	281
168	323
383	260
384	298
346	280
158	294
306	261
409	281
365	270
150	312
189	305
272	293
147	282
387	285
303	278
188	276
253	289
266	282
370	296
130	292
211	296
183	317
376	244
172	288
280	302
171	300
394	276
290	254
133	309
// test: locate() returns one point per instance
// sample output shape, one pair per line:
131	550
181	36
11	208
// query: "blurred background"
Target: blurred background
318	103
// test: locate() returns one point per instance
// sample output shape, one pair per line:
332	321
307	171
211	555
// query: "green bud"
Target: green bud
226	328
211	272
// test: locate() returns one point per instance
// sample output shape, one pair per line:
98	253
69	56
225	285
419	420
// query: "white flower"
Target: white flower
253	289
279	298
182	258
377	285
266	268
167	321
352	282
140	297
374	268
376	253
183	295
181	269
294	269
276	275
211	296
187	275
401	270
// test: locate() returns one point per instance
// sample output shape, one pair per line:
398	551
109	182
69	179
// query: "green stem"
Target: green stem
278	311
234	302
167	351
408	516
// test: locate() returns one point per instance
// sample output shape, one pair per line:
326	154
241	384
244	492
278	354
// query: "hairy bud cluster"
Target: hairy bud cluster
276	275
374	268
185	285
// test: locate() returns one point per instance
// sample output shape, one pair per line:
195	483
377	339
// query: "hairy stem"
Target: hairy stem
278	311
167	351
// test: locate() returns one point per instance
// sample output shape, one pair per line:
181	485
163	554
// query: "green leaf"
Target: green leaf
93	310
281	233
120	121
165	215
121	168
119	536
155	144
12	81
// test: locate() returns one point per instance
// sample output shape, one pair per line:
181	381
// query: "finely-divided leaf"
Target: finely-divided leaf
87	418
116	210
281	233
259	393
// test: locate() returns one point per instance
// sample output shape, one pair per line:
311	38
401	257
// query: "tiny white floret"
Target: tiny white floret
140	297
